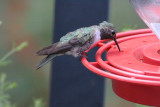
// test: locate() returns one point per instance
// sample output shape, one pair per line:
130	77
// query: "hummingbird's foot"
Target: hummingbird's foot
80	57
83	54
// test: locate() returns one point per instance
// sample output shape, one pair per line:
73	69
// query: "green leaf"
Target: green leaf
4	87
21	46
10	86
0	22
3	60
39	103
2	78
4	63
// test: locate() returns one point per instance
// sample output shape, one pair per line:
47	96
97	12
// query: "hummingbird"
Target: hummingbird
77	42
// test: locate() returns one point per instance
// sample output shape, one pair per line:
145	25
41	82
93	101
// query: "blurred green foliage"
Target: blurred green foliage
5	86
39	103
31	21
129	27
4	61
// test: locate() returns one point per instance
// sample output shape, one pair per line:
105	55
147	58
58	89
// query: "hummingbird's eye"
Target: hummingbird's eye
113	32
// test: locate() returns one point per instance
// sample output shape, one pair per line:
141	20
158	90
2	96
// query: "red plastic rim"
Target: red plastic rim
146	72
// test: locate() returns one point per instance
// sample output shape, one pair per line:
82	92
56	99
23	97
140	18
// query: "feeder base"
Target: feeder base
137	93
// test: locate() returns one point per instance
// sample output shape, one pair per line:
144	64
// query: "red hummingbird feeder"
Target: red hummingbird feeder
135	71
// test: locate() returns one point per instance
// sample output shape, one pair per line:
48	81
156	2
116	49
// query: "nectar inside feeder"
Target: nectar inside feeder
135	71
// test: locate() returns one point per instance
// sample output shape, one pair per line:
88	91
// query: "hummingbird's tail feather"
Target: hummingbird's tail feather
45	61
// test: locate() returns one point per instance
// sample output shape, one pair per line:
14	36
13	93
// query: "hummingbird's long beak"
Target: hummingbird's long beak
117	44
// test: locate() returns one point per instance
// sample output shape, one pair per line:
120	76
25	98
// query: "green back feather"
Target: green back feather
83	31
79	33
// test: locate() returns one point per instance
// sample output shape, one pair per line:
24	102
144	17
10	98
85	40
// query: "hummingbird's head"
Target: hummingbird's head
107	31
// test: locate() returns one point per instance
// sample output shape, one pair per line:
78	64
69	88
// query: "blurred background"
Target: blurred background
33	21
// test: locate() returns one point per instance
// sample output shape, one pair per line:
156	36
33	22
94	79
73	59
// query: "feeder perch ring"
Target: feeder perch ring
135	71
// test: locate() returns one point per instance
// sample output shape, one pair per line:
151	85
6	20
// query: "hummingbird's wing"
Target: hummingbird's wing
66	44
54	49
